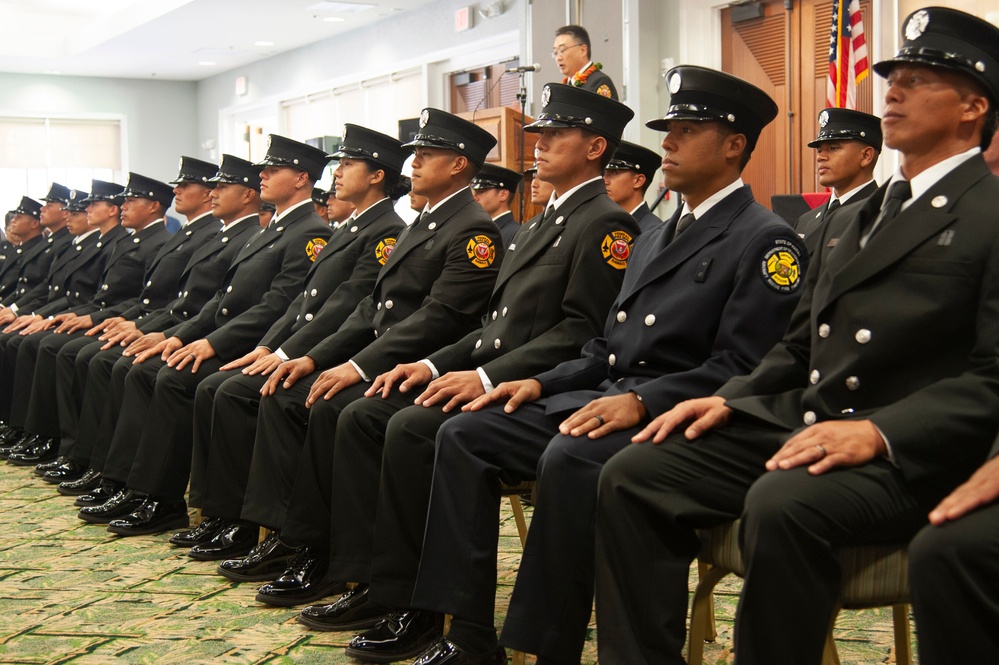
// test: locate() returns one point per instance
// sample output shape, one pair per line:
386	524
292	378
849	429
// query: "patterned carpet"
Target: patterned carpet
73	593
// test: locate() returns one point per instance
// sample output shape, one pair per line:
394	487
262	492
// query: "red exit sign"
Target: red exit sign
462	19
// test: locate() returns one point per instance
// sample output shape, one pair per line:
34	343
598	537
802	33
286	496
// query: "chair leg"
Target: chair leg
264	532
903	638
702	612
198	517
518	517
829	654
518	658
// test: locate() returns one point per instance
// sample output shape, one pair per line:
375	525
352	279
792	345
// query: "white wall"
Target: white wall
160	116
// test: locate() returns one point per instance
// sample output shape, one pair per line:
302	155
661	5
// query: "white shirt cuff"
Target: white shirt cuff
359	371
890	455
434	374
282	355
13	308
484	378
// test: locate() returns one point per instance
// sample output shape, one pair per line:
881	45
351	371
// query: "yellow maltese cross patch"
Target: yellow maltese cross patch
604	90
384	249
313	247
616	248
781	266
481	251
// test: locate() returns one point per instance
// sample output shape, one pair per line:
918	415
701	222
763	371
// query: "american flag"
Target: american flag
847	54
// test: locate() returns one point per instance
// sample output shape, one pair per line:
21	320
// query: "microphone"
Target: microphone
524	68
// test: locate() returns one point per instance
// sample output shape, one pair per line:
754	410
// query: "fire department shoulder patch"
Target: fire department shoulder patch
616	248
384	249
781	266
604	90
481	251
313	247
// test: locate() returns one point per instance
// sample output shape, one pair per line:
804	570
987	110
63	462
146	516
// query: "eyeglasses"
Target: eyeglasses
561	50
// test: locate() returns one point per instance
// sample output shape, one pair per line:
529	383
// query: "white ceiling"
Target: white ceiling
170	39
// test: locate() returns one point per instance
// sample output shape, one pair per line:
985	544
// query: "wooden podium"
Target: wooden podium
507	125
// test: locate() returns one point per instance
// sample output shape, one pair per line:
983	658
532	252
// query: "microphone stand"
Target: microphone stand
522	98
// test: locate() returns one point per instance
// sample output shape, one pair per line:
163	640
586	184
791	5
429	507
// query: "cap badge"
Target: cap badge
916	26
674	83
979	66
546	96
424	118
823	118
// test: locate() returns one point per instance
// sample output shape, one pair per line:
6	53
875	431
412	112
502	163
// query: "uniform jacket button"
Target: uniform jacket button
505	310
852	382
809	417
225	312
497	344
814	377
824	330
650	319
145	301
228	289
478	343
104	287
863	336
309	316
622	316
378	306
495	315
314	292
389	304
611	359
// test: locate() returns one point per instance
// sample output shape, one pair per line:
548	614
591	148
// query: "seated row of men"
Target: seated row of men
365	403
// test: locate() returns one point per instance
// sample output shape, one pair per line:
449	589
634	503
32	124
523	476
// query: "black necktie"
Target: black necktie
683	224
898	193
832	206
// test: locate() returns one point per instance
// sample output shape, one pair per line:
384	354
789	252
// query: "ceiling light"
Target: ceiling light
340	7
333	19
263	43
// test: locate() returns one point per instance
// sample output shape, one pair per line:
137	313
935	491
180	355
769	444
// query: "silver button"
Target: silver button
389	304
432	225
104	287
809	417
642	363
824	330
145	301
650	319
180	294
225	312
226	239
611	359
298	318
309	316
353	229
863	336
478	344
622	316
495	315
852	382
57	288
378	306
497	344
185	313
228	289
314	292
185	293
135	240
376	333
279	229
814	377
505	310
559	219
149	283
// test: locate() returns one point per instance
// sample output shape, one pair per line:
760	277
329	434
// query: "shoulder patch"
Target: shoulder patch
616	248
781	266
604	90
313	247
481	251
384	249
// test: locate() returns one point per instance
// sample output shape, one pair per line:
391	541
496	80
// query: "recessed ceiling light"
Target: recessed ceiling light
207	63
263	43
340	7
333	19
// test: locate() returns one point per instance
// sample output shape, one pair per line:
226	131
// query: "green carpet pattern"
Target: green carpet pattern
73	593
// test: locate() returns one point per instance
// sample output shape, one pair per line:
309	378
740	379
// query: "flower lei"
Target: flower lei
579	79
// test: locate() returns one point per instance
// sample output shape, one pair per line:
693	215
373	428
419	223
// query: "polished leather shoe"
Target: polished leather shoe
234	540
85	484
208	529
152	516
66	472
100	494
123	502
10	436
400	636
45	449
26	441
446	652
303	582
264	562
40	469
351	611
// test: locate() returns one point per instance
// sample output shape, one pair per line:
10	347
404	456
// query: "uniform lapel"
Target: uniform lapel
417	236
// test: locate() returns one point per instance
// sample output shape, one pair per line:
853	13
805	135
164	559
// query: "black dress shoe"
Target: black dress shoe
85	484
100	494
446	652
303	582
119	505
264	562
152	516
399	636
351	611
45	449
234	540
66	472
208	529
40	469
10	436
26	441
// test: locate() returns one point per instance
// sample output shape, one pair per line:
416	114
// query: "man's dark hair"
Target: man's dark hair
578	33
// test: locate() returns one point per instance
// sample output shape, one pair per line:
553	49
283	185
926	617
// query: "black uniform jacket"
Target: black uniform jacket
342	276
431	291
904	332
131	260
84	282
259	285
553	290
647	221
202	275
76	269
33	268
601	84
692	312
808	224
507	226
